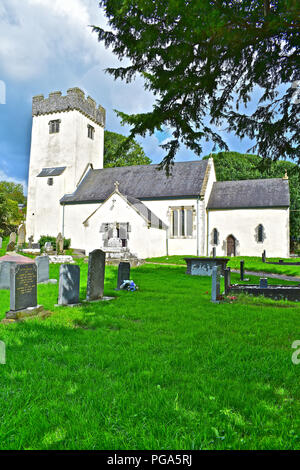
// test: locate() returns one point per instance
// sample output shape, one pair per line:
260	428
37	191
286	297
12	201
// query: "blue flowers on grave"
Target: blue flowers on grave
129	285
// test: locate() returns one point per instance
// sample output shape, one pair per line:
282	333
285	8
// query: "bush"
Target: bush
6	230
46	238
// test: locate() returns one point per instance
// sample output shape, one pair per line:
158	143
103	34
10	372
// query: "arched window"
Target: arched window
215	236
260	233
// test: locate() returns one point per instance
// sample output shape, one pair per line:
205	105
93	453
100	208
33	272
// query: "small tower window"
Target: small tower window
50	181
91	132
54	126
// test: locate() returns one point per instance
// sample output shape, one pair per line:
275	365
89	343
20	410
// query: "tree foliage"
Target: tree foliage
117	155
202	59
11	195
235	166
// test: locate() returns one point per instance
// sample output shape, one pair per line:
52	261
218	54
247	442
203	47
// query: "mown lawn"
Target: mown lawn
160	368
252	263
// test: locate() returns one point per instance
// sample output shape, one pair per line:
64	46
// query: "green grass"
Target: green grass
160	368
252	263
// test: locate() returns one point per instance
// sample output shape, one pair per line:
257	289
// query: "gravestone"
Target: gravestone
23	286
214	252
69	282
96	270
123	273
215	284
42	264
263	256
227	280
11	247
30	241
0	242
36	246
13	237
48	246
242	270
21	235
263	282
59	243
5	274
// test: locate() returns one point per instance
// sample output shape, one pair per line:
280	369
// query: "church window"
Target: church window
54	126
215	236
260	233
50	181
181	222
91	131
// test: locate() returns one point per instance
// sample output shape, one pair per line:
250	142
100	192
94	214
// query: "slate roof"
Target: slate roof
273	192
151	218
47	172
141	182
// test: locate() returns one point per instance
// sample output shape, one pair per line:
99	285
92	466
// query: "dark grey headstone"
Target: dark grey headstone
5	274
263	282
123	273
263	256
96	271
227	280
35	246
69	282
214	252
42	263
23	286
215	283
242	270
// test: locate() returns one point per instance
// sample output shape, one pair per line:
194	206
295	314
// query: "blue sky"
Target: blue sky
47	45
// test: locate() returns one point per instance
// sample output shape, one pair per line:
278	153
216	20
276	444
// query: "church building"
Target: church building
138	210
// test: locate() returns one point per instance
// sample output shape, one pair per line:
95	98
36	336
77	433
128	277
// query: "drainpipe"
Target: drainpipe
207	234
63	222
198	228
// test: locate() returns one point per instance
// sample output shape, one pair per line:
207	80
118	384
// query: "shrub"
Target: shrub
46	238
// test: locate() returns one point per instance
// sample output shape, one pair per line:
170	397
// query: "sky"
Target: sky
48	45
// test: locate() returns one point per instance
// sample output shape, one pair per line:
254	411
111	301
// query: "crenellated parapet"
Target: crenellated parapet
74	100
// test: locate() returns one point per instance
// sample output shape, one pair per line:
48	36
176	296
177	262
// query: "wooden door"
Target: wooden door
230	246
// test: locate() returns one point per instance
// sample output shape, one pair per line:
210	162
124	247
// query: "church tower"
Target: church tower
67	140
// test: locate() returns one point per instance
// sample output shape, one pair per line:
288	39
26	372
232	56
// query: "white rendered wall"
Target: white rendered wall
241	223
70	147
143	241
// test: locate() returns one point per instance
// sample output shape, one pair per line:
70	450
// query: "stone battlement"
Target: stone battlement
74	100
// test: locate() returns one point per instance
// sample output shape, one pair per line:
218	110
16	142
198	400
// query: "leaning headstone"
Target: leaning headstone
69	282
21	235
42	264
215	284
96	270
123	273
227	280
242	270
23	288
13	237
11	247
263	282
263	256
59	243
